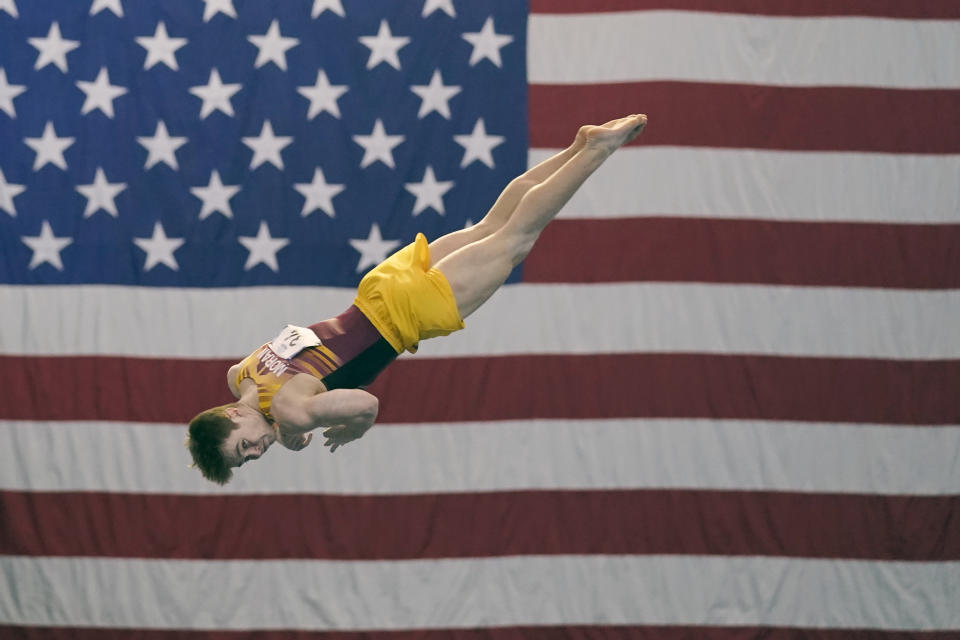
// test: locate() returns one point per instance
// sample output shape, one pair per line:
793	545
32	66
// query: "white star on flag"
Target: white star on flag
487	44
318	194
215	95
319	6
378	146
374	249
263	248
100	194
429	193
323	96
49	148
9	7
435	96
46	247
7	93
100	94
215	196
272	47
8	192
100	5
384	47
267	147
53	49
162	147
161	47
212	7
478	145
159	249
429	6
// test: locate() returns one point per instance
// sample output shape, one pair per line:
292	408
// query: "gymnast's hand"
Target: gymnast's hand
341	434
294	441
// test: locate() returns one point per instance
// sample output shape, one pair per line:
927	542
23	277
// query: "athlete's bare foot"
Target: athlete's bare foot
581	138
614	134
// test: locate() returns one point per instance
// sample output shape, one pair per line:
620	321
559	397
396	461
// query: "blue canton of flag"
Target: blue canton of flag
230	142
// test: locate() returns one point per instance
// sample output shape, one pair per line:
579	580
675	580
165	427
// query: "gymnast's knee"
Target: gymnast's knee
522	184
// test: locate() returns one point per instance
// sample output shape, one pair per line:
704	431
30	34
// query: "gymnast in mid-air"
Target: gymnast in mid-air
310	378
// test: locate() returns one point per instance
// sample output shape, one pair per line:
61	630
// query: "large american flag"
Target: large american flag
721	398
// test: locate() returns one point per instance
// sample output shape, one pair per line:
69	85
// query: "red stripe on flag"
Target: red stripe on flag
554	632
926	9
499	388
676	385
747	251
465	525
755	116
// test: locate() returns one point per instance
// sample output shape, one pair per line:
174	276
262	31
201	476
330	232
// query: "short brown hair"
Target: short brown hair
205	437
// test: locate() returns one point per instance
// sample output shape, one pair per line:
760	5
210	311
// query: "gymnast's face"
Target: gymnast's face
252	437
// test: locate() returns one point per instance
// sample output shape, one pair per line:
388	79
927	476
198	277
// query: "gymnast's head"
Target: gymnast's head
227	436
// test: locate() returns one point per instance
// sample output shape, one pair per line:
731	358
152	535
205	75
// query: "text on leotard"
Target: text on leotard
271	362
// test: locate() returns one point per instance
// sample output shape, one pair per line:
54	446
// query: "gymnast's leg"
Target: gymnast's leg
478	269
502	209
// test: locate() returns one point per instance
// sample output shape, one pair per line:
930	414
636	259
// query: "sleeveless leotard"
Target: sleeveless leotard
351	354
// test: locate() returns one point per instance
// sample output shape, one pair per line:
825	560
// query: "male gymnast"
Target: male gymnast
313	377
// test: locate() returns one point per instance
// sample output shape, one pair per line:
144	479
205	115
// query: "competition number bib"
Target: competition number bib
292	340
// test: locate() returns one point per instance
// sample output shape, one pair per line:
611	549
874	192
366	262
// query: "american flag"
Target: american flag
721	397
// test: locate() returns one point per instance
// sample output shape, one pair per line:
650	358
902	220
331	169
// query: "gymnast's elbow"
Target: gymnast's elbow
367	409
343	406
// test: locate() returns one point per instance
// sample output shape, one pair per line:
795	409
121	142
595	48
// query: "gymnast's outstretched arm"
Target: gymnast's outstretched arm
346	413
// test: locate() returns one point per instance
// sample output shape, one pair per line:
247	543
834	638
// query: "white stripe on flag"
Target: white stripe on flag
630	317
769	185
541	454
749	49
524	590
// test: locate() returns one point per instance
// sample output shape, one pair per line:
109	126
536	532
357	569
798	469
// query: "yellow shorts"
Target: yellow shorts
406	300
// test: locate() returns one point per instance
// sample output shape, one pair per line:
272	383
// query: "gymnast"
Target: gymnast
309	378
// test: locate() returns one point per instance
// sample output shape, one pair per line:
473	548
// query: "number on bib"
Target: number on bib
292	340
